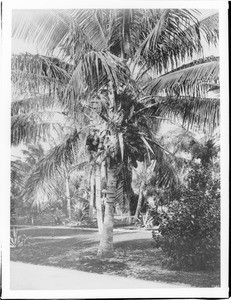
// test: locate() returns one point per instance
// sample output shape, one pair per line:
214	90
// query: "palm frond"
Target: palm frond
95	70
209	28
16	175
150	42
124	28
33	154
58	29
145	147
36	103
39	74
212	87
89	22
30	128
194	113
46	28
186	81
51	166
174	37
166	171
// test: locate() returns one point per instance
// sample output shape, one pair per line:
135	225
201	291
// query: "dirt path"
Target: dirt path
119	235
34	277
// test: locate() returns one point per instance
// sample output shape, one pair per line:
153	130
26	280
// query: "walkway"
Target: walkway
34	277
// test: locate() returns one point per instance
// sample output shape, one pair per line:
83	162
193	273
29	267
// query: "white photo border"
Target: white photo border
220	292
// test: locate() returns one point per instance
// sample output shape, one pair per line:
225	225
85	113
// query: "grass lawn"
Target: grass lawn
134	256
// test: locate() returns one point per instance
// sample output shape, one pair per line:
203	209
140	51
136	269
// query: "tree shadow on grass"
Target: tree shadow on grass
136	258
145	262
51	252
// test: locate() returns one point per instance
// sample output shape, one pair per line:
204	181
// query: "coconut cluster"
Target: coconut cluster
94	142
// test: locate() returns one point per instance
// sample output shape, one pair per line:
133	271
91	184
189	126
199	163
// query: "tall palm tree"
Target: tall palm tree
107	62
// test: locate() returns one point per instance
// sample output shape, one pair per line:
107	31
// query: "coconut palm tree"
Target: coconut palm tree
107	61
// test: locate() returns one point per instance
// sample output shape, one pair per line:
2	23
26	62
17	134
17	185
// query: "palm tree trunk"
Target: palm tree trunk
106	241
68	198
139	203
92	195
98	198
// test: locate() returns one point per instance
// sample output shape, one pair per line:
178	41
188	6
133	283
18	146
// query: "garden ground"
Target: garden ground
76	248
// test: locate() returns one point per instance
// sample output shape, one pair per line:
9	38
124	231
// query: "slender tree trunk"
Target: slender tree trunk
139	203
32	219
68	198
146	218
106	241
98	198
128	200
92	195
128	192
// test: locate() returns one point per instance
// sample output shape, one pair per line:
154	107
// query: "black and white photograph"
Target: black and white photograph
117	127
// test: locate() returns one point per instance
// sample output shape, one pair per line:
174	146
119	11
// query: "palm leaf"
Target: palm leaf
149	44
166	171
51	29
185	81
46	28
181	37
30	128
209	28
41	65
166	166
32	154
95	70
36	103
17	175
39	74
89	22
195	113
51	166
168	41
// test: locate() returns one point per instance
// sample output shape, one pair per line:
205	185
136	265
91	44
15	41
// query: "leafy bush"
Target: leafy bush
80	212
55	210
17	240
190	231
145	220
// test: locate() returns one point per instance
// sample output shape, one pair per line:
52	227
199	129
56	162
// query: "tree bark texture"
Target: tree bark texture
139	203
98	198
92	195
68	198
128	209
106	241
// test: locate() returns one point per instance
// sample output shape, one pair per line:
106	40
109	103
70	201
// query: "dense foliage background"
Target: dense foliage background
190	232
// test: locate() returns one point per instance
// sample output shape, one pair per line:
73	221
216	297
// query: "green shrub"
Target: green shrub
80	212
190	233
145	220
17	240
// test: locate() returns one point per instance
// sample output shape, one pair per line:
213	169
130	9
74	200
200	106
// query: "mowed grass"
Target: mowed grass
134	255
